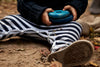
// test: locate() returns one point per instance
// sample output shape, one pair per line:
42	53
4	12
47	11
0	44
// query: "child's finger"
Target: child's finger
74	14
46	19
66	7
72	10
49	10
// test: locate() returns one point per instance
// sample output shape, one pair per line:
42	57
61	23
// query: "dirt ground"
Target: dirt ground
19	52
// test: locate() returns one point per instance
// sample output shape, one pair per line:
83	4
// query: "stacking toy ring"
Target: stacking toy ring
59	14
64	20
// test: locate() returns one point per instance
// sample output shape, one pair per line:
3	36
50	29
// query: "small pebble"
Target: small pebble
1	51
20	49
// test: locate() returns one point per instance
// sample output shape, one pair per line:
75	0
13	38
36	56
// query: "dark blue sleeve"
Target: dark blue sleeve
79	5
30	10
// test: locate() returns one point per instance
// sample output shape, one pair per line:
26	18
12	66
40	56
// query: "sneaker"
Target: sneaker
78	53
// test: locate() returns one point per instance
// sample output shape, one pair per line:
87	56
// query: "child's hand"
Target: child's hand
45	17
73	10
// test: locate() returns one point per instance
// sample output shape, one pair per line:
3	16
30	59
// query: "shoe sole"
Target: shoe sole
79	53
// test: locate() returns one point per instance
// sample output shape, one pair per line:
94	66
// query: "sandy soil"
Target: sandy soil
19	52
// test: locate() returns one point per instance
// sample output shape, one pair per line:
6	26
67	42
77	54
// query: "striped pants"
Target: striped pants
57	35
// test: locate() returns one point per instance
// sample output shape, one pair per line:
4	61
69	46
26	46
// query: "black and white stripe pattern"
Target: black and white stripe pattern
57	35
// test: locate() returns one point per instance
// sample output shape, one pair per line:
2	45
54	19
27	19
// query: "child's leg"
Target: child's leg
15	25
9	27
67	48
65	35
